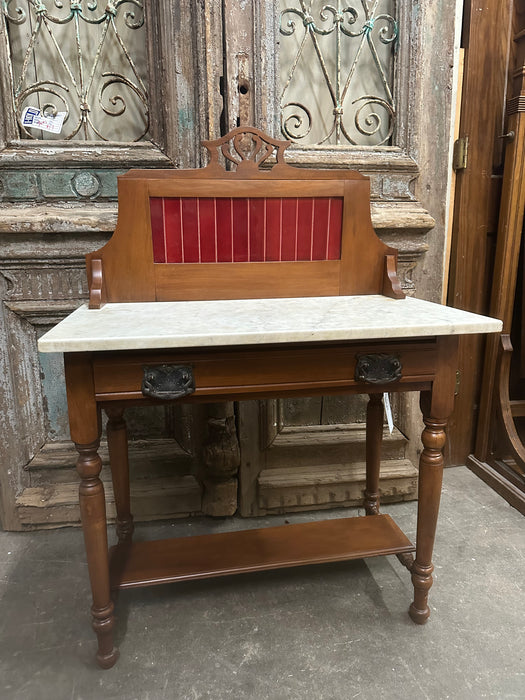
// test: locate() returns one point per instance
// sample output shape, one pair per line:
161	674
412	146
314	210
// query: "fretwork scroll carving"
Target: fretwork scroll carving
244	149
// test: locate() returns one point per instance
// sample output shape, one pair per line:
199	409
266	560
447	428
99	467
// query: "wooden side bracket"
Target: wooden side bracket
391	283
97	296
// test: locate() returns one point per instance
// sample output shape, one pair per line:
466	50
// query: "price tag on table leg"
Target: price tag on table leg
388	412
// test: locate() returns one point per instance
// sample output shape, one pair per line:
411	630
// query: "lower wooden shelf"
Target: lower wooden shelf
222	554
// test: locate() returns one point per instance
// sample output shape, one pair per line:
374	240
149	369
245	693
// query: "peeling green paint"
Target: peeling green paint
53	384
186	118
19	184
65	184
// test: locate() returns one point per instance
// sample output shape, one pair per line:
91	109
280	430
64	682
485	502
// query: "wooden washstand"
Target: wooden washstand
250	283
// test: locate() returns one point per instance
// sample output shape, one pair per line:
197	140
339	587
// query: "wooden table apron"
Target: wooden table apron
111	380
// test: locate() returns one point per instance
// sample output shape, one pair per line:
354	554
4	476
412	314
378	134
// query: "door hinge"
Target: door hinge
460	158
458	382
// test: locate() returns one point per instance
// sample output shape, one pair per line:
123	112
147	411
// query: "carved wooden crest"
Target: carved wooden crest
245	148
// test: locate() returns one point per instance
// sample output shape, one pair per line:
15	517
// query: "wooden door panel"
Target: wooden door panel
486	44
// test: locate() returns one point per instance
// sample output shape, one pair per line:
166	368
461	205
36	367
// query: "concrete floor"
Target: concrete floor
332	632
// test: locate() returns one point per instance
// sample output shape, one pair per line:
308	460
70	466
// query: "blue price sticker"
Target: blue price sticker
29	116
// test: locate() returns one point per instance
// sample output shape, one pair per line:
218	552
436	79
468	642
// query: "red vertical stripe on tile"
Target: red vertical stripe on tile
320	228
328	229
157	229
172	230
190	230
304	228
296	223
215	225
256	215
224	229
207	229
231	228
199	227
240	230
264	229
273	229
312	231
333	248
289	228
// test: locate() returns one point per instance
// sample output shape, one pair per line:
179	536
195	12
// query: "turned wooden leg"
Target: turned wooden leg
430	479
118	457
93	514
85	427
436	406
374	436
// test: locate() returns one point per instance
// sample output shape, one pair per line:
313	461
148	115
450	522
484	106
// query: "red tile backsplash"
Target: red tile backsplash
256	229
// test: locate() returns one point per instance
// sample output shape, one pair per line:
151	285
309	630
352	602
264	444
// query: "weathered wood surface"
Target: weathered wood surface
294	489
297	467
61	219
295	445
56	505
161	488
398	217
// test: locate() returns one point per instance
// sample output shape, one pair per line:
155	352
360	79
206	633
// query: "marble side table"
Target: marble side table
251	281
246	349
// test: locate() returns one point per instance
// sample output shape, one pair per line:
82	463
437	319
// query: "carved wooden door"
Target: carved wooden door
296	67
90	90
351	85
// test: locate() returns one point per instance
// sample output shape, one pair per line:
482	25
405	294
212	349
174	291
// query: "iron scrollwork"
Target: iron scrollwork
355	34
61	39
168	382
378	369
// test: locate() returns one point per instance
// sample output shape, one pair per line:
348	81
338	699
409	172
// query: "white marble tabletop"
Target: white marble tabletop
185	324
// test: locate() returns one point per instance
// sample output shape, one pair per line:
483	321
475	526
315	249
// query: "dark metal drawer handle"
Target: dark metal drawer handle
168	381
378	369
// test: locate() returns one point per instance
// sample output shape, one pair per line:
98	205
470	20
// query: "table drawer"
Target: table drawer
239	371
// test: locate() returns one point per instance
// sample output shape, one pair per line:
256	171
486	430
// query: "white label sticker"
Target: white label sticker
33	117
388	412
